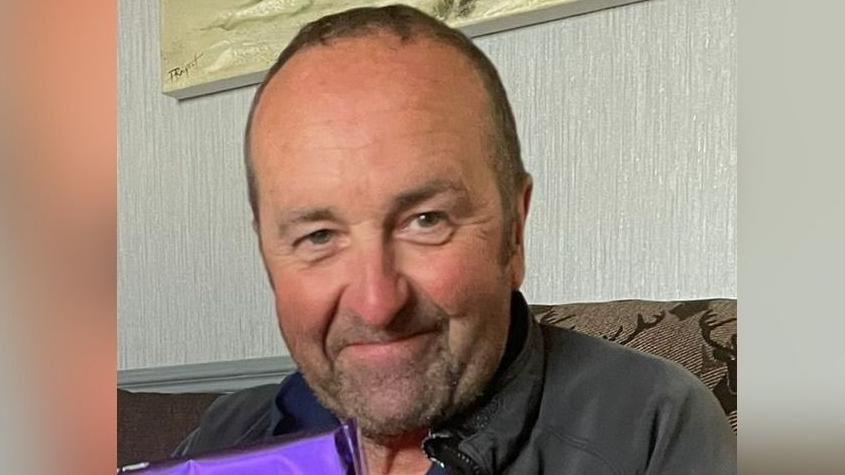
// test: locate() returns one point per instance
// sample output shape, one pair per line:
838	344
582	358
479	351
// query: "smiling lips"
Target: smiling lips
391	349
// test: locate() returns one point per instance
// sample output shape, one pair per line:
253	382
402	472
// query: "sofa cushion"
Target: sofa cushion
698	334
151	425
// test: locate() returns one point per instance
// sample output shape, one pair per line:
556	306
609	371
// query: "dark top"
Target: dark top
561	402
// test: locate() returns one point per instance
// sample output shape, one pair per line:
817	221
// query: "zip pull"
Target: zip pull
440	449
428	443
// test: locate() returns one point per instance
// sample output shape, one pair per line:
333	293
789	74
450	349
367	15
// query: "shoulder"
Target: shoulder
635	409
621	379
240	417
578	361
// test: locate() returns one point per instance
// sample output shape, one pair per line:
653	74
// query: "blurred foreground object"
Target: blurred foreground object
57	238
336	452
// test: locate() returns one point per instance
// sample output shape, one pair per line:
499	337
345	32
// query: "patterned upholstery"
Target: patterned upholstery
698	334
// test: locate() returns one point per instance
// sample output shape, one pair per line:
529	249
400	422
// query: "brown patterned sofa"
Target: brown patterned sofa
698	334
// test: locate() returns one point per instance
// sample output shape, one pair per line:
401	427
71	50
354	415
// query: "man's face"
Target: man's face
382	230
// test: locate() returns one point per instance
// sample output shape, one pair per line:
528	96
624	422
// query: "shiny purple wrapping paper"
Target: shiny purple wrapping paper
329	453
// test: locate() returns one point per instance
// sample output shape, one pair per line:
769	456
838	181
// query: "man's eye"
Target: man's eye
431	227
428	220
318	238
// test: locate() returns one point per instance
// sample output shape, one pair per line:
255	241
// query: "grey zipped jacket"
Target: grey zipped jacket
567	403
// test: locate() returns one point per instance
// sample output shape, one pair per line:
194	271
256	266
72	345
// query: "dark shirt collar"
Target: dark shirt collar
299	410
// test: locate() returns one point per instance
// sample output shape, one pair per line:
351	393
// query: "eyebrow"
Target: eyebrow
400	202
303	216
428	190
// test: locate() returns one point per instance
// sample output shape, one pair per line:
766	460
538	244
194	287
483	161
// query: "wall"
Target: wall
628	124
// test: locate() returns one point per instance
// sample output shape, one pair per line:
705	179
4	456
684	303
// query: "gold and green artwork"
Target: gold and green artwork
213	45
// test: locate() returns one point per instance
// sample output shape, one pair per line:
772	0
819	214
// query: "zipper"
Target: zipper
441	448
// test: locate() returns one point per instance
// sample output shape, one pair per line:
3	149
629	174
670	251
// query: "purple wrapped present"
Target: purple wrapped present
328	453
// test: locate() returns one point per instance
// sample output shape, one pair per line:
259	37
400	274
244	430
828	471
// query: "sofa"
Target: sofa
698	334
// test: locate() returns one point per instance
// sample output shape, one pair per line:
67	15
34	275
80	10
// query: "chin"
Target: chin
392	400
389	412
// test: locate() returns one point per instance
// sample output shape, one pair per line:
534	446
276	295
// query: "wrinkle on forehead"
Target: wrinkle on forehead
330	137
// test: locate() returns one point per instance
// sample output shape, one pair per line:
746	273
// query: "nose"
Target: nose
377	291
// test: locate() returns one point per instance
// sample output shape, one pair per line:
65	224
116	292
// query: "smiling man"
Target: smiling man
390	202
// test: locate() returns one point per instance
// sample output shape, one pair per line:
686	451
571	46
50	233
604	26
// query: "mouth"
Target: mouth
390	350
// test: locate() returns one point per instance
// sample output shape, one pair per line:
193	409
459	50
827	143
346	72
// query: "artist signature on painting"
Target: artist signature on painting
185	70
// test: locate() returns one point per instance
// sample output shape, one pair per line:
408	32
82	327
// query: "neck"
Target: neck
400	455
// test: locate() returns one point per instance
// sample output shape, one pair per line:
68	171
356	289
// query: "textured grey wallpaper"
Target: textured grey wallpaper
628	124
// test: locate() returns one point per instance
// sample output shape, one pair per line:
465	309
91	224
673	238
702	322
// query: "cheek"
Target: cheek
458	278
471	285
303	310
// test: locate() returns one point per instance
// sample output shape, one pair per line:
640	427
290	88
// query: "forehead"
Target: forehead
371	103
362	78
377	63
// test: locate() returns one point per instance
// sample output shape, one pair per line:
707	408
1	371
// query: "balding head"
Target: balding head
382	155
401	25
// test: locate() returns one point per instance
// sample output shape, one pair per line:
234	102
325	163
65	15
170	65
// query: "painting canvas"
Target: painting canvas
212	45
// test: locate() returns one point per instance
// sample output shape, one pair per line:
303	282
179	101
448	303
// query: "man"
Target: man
390	203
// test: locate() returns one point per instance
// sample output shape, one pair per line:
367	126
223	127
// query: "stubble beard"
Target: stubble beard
421	394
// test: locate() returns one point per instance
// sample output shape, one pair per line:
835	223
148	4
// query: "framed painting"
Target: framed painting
214	45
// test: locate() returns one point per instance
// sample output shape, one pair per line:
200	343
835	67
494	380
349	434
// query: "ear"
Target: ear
256	227
523	202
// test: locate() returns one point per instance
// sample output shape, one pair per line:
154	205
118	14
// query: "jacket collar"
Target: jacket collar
491	430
